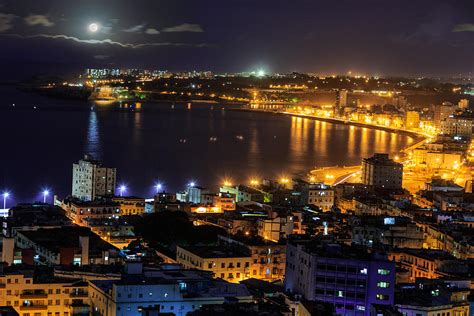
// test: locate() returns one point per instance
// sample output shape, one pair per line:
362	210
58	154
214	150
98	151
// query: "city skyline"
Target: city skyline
432	38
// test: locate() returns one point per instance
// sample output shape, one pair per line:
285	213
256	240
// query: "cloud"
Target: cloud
101	57
152	31
106	41
135	29
466	27
186	27
38	19
6	21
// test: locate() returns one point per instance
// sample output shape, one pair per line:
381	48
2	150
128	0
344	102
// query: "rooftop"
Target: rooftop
67	237
216	251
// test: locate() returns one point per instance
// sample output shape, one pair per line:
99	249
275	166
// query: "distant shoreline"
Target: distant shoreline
412	134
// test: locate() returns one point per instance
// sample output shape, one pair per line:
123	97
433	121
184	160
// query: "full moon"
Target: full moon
93	27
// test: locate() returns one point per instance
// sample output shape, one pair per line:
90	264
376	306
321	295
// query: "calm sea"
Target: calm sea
173	145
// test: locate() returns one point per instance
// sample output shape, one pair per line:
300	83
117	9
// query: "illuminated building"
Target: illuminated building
78	210
276	228
458	126
350	278
381	172
321	195
130	205
463	104
230	264
32	294
421	263
341	100
156	291
244	193
412	120
225	202
396	232
442	112
91	180
267	258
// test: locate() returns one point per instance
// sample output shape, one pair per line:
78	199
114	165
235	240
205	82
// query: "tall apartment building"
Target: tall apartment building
412	120
348	277
380	171
442	112
91	180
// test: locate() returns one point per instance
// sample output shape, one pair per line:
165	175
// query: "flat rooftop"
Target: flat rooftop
209	252
66	237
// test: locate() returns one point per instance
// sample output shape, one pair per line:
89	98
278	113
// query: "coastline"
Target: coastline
419	138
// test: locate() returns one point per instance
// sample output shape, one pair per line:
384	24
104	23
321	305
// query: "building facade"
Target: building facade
382	172
91	180
350	280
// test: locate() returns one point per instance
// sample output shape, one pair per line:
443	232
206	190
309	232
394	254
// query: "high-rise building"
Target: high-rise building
341	100
347	276
412	120
442	112
380	171
91	180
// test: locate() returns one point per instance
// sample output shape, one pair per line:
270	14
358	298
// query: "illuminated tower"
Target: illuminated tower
91	180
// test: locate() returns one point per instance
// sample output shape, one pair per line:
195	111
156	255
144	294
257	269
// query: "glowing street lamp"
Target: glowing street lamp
45	195
158	187
227	183
192	184
5	196
122	189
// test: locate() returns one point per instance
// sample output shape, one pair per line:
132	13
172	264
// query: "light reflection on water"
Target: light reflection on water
144	144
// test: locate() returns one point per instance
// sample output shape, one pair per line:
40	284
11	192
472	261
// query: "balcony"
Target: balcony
78	294
33	295
33	307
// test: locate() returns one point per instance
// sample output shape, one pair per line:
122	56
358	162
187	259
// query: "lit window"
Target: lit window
383	271
383	284
382	297
363	271
360	307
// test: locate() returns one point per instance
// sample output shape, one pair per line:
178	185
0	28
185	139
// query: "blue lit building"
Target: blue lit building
348	277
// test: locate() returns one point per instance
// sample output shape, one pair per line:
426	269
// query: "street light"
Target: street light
45	194
5	196
192	184
158	187
122	189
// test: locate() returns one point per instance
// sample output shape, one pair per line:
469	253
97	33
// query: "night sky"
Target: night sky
403	37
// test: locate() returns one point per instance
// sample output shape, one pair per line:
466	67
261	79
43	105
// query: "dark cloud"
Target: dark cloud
422	37
466	27
185	27
38	19
152	31
135	29
6	21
